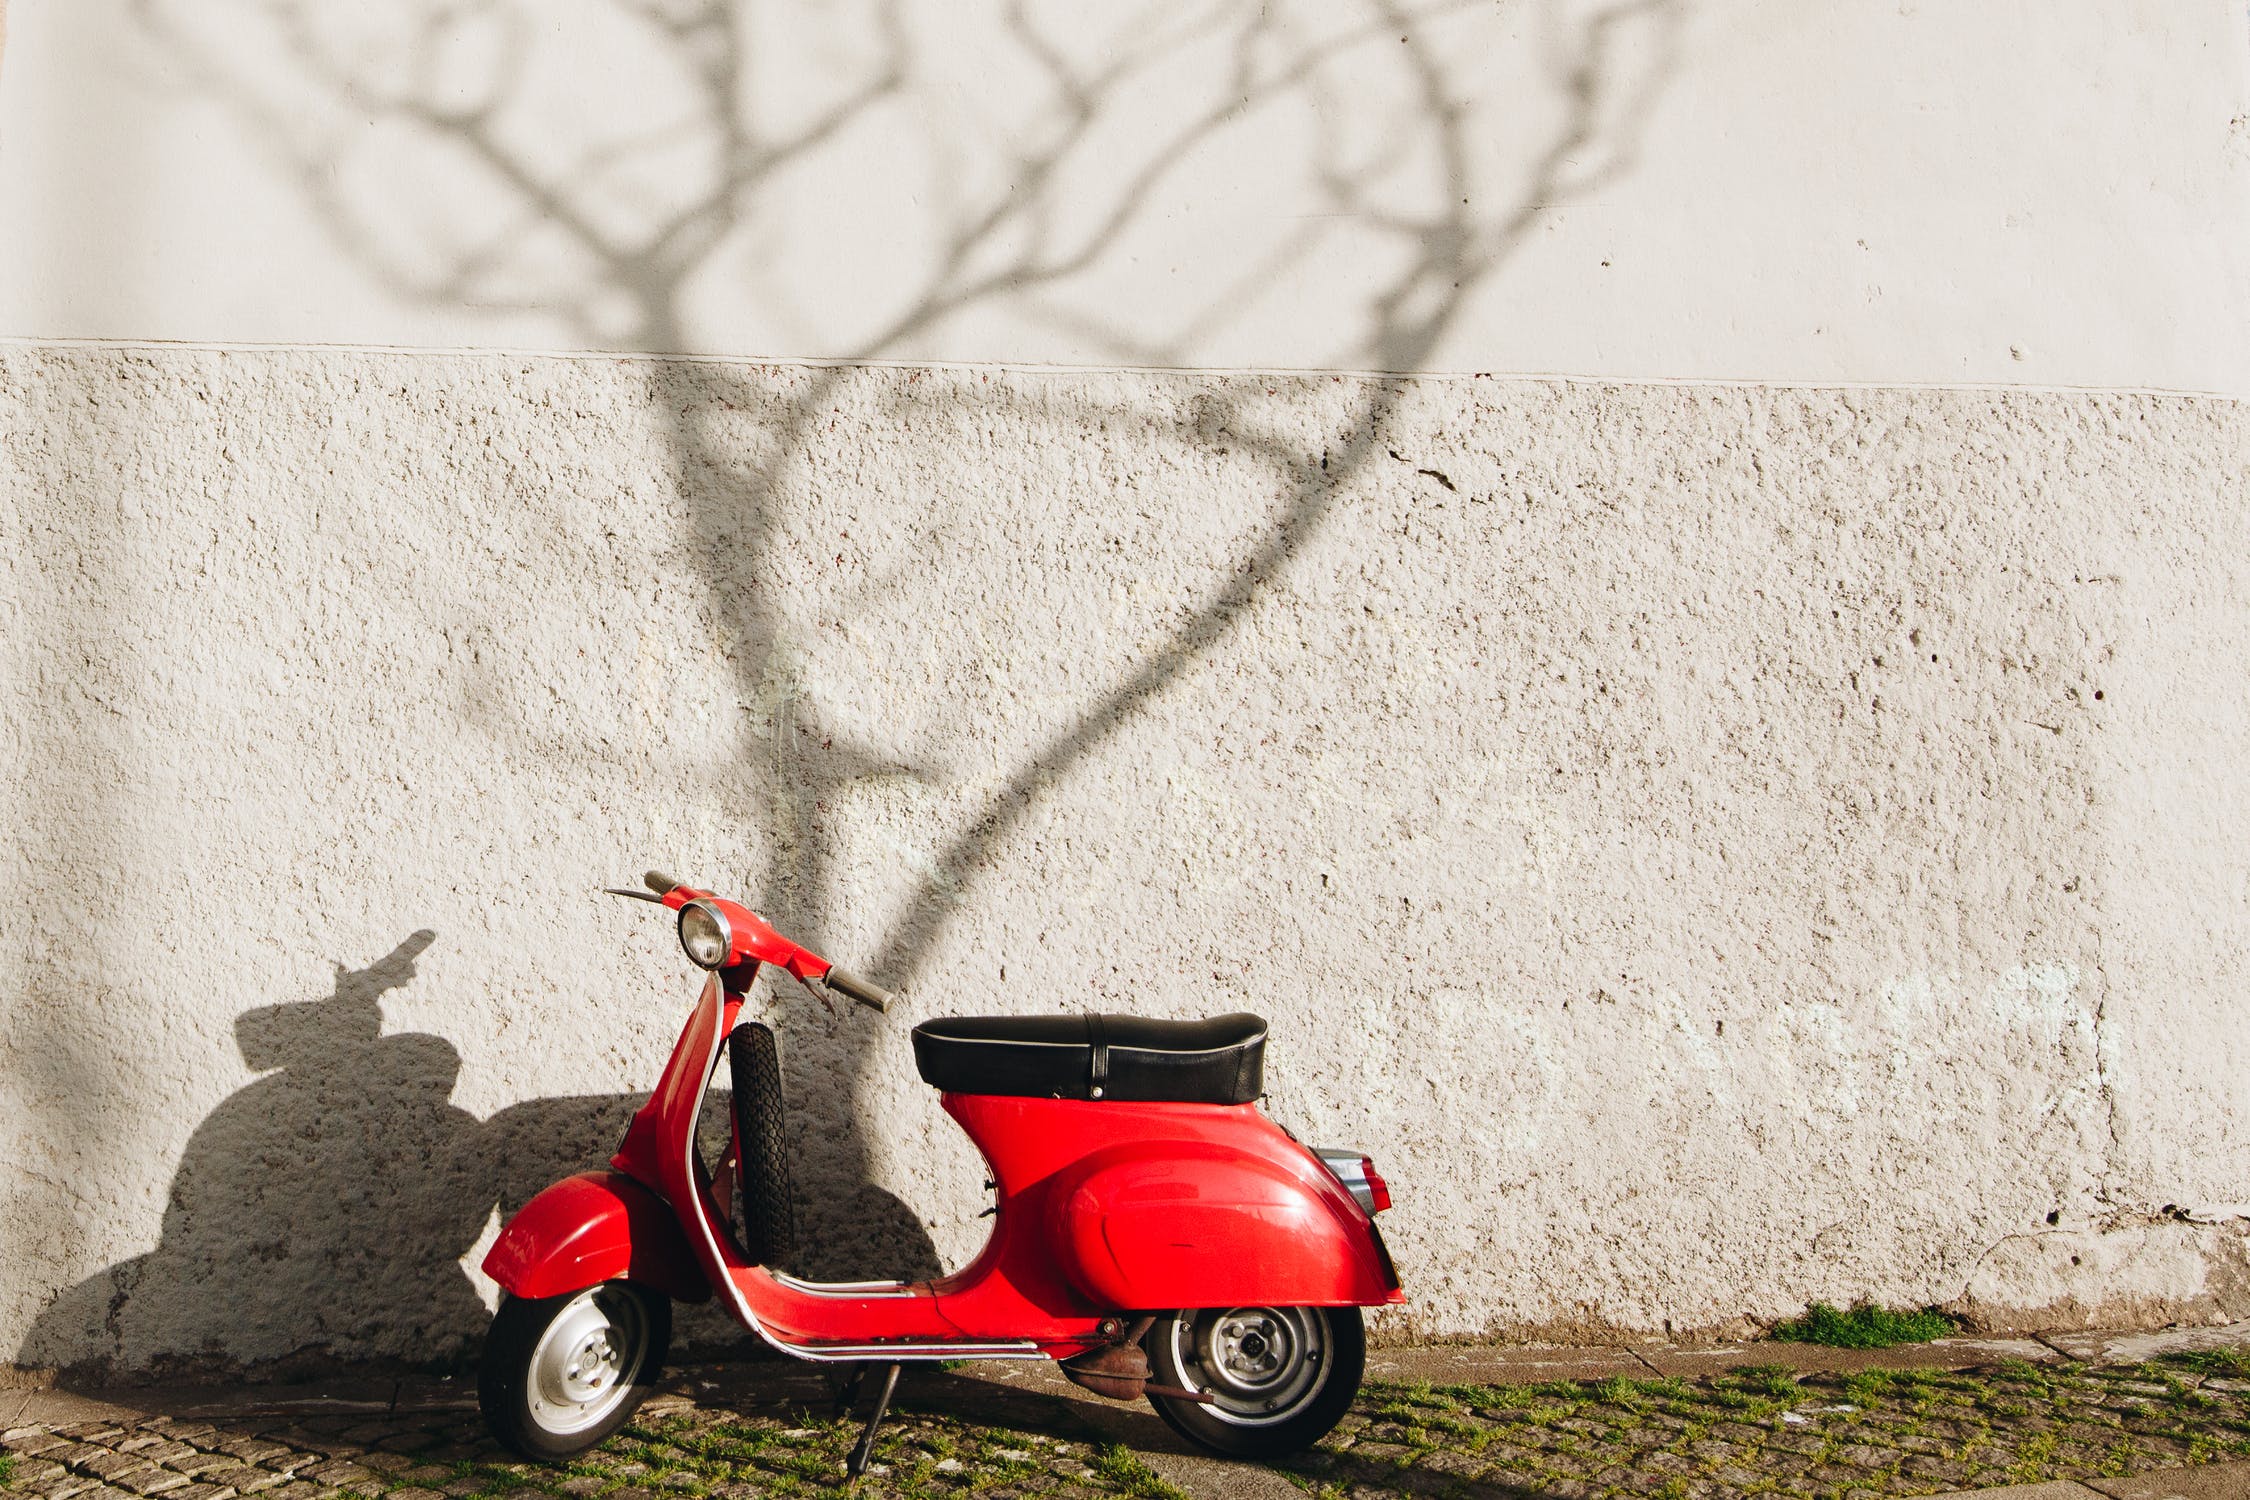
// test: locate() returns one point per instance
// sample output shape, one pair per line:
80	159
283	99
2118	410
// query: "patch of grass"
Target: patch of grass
2225	1362
489	1480
1868	1387
1778	1381
1619	1391
7	1467
1493	1397
1122	1467
1863	1327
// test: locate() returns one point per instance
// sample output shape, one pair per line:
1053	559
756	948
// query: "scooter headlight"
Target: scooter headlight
705	935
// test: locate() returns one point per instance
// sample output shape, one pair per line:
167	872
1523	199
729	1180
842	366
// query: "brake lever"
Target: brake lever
819	992
866	992
618	890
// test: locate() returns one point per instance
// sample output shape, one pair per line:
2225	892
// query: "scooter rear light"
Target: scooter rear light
1378	1191
1358	1175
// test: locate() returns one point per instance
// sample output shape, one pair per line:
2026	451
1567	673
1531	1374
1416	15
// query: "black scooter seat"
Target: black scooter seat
1218	1061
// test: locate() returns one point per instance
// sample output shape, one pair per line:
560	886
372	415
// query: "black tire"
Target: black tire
1280	1377
605	1344
767	1212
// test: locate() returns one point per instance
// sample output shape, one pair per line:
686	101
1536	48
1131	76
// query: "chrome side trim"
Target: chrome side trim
844	1288
910	1351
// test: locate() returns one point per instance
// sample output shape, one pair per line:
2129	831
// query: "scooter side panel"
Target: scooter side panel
1191	1224
592	1228
1146	1206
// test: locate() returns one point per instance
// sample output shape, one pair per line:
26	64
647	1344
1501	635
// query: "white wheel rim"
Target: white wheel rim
1260	1365
586	1362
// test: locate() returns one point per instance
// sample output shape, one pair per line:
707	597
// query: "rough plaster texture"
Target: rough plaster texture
1718	847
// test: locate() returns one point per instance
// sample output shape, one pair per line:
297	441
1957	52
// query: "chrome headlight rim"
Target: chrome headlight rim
722	931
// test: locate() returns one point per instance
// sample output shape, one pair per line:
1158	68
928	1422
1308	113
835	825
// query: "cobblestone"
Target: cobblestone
57	1486
338	1472
102	1463
203	1492
251	1450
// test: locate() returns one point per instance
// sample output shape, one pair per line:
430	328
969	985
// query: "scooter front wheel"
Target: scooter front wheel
559	1374
1279	1378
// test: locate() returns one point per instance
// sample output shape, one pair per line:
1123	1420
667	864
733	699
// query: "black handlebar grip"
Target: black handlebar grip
871	995
658	881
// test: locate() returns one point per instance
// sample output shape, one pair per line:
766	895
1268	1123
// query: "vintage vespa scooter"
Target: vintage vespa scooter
1154	1233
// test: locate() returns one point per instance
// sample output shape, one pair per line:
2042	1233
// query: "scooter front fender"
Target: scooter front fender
592	1228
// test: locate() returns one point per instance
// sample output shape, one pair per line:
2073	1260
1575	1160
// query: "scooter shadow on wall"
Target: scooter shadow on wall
320	1214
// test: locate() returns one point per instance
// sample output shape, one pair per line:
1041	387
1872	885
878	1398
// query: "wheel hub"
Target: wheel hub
585	1363
1259	1364
1250	1348
592	1367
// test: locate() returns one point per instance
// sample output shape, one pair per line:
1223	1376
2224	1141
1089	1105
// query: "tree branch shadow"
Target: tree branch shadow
563	236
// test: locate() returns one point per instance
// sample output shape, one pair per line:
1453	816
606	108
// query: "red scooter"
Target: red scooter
1155	1233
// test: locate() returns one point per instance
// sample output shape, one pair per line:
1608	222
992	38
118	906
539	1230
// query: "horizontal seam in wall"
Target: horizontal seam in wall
1549	377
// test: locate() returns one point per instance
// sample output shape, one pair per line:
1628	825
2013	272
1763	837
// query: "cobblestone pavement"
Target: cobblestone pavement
760	1430
1766	1432
778	1442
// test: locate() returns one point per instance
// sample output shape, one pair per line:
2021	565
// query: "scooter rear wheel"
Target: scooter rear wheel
559	1374
1279	1378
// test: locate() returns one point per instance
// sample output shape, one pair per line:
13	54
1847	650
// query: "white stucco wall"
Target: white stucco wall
1720	845
1720	848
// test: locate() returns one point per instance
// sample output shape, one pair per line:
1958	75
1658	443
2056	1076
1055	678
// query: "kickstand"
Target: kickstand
866	1444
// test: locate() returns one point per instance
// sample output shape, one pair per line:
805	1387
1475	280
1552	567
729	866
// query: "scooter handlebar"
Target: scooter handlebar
871	995
804	964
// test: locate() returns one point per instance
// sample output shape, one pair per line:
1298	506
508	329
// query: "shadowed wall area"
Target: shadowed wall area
1720	847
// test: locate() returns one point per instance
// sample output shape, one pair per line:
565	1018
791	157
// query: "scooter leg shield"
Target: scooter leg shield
592	1228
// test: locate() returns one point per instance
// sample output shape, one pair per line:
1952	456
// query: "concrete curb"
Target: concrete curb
54	1408
1477	1365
